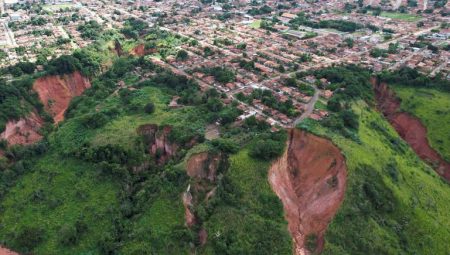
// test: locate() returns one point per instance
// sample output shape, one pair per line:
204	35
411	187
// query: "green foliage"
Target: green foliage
342	25
16	100
225	145
265	9
90	30
182	55
411	77
28	238
268	147
221	74
133	28
267	98
262	228
149	108
378	53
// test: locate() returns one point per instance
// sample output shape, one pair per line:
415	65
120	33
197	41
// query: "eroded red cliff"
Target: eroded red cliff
158	142
23	131
140	50
409	128
310	179
56	92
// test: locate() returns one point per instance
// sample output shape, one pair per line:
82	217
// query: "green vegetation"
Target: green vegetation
17	101
251	218
267	98
42	204
432	108
90	30
256	24
221	74
341	25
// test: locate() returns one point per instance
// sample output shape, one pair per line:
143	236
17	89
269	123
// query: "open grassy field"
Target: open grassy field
432	107
256	24
394	203
55	7
401	16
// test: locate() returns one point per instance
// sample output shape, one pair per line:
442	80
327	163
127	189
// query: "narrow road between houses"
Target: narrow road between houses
309	107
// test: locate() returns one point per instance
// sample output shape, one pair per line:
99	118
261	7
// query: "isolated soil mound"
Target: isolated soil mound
310	179
409	128
55	92
23	131
4	251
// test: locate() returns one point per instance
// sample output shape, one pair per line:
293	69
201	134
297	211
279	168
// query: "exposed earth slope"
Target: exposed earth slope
410	129
55	92
310	180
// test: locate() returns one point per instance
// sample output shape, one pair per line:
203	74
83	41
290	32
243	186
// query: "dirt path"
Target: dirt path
310	180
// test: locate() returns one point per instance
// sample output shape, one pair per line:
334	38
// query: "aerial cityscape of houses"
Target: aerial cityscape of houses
265	44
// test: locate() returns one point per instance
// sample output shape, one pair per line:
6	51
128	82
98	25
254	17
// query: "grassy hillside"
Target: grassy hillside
395	203
249	219
83	195
61	207
432	107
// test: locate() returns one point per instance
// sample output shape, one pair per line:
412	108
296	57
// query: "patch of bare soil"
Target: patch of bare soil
158	143
4	251
310	179
141	51
212	132
56	91
409	128
23	131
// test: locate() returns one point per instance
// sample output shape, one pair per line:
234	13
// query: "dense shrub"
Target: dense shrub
411	77
225	145
28	238
149	108
266	149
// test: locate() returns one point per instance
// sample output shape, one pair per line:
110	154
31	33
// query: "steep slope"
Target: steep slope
432	107
55	92
23	131
310	180
394	202
409	128
140	50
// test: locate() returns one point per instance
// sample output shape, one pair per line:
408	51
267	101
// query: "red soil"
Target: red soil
187	203
4	251
141	51
310	179
158	142
55	92
203	166
23	131
409	128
